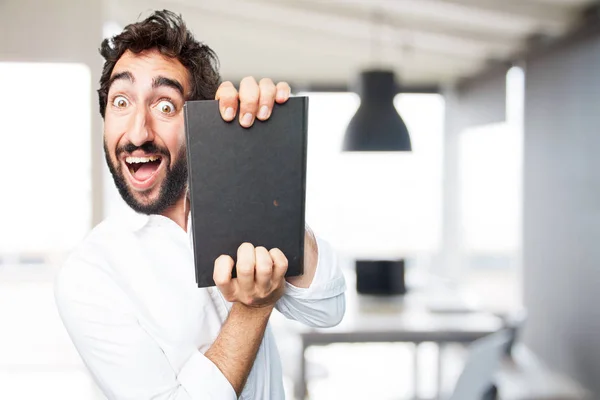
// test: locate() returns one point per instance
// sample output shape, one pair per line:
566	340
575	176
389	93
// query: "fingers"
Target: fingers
228	100
249	96
267	98
260	274
283	92
280	264
255	99
264	269
245	267
222	277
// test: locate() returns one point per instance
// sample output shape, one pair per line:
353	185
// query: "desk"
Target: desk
397	319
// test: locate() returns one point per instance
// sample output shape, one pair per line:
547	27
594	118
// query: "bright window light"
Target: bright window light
45	163
375	205
490	171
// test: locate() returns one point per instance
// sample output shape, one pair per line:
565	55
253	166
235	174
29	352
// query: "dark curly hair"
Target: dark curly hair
166	32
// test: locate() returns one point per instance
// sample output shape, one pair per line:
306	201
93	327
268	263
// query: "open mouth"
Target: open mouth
142	169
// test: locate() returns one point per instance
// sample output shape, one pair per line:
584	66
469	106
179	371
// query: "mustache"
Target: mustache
148	147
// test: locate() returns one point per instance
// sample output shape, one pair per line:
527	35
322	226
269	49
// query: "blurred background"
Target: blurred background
471	257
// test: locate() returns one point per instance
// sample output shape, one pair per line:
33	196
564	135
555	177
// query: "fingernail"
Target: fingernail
229	114
264	112
282	94
247	119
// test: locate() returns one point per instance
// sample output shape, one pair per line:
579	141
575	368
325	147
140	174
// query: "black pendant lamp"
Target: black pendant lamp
377	126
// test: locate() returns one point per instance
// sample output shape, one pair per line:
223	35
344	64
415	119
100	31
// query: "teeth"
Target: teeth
138	160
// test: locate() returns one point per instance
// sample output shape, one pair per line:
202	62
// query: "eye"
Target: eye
166	107
120	102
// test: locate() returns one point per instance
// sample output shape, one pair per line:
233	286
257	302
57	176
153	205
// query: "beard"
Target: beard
171	189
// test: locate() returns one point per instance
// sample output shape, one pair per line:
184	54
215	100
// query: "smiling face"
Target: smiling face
144	138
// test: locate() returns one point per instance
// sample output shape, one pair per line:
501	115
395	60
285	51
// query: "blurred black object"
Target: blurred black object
380	277
491	393
377	126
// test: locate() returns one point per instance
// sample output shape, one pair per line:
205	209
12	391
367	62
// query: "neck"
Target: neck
179	212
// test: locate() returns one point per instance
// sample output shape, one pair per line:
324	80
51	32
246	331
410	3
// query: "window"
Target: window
490	189
375	205
490	172
490	179
45	141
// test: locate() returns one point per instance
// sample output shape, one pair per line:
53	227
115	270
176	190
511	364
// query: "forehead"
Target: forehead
148	64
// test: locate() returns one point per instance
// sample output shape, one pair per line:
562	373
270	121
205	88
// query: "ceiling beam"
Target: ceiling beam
375	12
552	19
500	17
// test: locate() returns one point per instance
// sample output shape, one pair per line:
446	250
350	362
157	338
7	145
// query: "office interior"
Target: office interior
493	216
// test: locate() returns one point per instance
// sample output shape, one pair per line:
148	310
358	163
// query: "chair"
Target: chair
514	323
483	360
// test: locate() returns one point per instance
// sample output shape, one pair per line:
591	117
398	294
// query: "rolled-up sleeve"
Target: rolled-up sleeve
322	304
124	360
202	379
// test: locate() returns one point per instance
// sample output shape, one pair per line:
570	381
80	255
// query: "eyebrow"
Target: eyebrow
156	82
125	76
168	82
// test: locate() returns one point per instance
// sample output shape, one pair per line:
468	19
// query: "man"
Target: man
127	295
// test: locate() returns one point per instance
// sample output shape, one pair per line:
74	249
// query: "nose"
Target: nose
140	127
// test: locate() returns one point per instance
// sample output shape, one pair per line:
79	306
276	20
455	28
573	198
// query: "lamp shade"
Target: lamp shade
377	126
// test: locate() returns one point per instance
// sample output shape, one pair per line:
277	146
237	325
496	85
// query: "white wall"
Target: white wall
561	251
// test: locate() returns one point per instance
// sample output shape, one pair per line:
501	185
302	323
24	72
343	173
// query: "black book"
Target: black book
246	184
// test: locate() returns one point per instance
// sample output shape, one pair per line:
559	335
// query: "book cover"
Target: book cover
246	184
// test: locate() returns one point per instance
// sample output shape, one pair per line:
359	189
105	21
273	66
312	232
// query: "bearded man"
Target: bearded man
127	295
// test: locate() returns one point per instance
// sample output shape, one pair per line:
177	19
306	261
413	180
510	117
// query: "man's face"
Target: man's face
144	138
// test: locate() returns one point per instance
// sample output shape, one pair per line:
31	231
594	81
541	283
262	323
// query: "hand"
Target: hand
255	99
260	276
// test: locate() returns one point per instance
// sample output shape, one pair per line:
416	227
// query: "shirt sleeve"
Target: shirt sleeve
124	360
322	304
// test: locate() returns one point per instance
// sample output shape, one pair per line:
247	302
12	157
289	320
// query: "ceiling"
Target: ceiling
313	43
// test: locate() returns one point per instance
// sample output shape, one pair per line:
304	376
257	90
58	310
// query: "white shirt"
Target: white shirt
129	300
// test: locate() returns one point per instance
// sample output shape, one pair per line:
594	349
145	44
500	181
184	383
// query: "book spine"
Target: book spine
190	188
304	172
